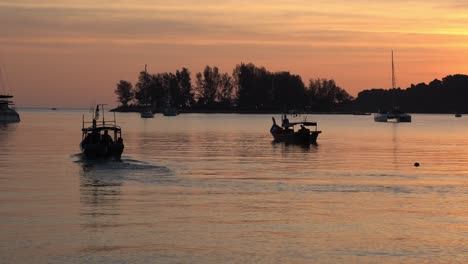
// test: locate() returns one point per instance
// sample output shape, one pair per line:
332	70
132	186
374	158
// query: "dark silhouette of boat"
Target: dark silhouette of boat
287	133
458	114
147	114
8	114
170	111
360	113
96	141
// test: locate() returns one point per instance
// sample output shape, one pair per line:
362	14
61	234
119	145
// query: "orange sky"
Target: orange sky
58	53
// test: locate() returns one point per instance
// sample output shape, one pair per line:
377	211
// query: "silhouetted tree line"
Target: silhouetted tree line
249	88
446	96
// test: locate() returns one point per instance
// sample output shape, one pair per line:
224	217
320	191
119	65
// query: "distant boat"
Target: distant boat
147	114
286	133
169	110
8	113
95	140
361	113
458	115
53	108
394	115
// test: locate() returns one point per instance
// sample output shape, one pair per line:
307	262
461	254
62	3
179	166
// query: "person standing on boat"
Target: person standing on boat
285	122
106	139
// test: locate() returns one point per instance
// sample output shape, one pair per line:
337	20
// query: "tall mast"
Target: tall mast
393	74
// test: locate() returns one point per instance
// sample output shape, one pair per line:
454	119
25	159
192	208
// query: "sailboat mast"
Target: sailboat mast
393	74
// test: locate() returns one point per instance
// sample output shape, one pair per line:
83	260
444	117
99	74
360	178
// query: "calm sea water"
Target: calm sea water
213	188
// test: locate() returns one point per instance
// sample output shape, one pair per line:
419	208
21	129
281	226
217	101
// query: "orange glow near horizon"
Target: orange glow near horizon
75	52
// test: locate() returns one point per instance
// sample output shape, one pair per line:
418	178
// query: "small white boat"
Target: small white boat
8	114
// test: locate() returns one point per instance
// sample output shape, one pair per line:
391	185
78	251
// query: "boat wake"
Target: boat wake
126	170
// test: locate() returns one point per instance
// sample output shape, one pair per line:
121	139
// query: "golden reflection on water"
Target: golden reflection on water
215	188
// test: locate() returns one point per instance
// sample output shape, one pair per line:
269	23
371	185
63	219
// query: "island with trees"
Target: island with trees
253	89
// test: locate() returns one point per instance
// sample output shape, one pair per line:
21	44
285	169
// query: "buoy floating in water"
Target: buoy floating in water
416	164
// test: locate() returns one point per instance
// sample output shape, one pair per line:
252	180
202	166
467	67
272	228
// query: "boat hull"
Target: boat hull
9	116
98	151
147	115
297	137
170	112
392	118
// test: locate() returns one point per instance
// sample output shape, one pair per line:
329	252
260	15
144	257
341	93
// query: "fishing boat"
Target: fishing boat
287	133
394	115
97	142
7	112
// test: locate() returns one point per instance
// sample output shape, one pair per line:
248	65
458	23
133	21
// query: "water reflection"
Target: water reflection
99	191
7	134
395	144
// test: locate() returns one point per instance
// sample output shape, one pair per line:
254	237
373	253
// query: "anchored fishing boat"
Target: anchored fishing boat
287	133
96	140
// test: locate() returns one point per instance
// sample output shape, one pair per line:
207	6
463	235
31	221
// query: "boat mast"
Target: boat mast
393	74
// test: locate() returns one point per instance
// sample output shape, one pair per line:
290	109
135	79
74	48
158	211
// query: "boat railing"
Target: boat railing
103	122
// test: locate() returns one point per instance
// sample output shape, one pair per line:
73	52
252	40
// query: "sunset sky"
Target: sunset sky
57	53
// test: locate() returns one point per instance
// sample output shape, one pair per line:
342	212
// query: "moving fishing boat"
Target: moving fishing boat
8	114
96	142
287	133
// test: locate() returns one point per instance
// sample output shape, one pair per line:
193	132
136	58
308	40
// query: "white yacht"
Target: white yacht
394	115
